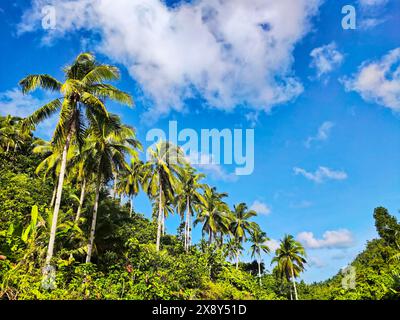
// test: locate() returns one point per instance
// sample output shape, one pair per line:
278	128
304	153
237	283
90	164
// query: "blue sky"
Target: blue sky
324	102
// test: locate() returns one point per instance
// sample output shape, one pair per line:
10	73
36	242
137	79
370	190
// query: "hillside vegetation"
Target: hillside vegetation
69	228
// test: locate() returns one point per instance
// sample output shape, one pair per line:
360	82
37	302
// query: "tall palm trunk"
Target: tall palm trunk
187	224
237	260
53	197
259	270
81	199
115	186
160	214
94	219
294	284
210	237
131	206
50	248
163	223
189	229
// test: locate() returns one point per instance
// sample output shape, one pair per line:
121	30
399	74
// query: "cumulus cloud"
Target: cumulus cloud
273	245
321	174
322	134
369	23
378	81
229	52
325	59
17	104
371	3
316	262
260	207
341	238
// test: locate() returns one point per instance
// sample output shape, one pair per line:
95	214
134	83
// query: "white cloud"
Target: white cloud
369	23
260	207
17	104
273	244
325	59
316	262
230	52
341	238
322	134
372	3
378	81
321	174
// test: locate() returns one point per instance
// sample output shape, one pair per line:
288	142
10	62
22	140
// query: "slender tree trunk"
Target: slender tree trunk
50	248
8	147
163	223
237	260
53	197
259	270
131	206
187	224
210	237
294	285
94	219
160	214
81	199
185	235
291	296
115	186
190	230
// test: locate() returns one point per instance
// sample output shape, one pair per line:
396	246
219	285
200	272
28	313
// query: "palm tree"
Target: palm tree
258	240
51	164
214	213
240	225
84	89
80	173
234	248
290	259
11	133
190	198
159	177
107	146
131	180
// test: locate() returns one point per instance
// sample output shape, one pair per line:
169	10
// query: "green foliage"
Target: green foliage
376	269
127	263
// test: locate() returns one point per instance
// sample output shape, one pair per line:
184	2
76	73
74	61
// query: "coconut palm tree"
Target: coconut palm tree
11	133
258	240
51	164
241	227
107	145
83	91
214	213
159	177
190	199
131	180
234	249
290	259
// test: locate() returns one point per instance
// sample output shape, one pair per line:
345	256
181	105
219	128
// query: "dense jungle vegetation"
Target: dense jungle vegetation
69	228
